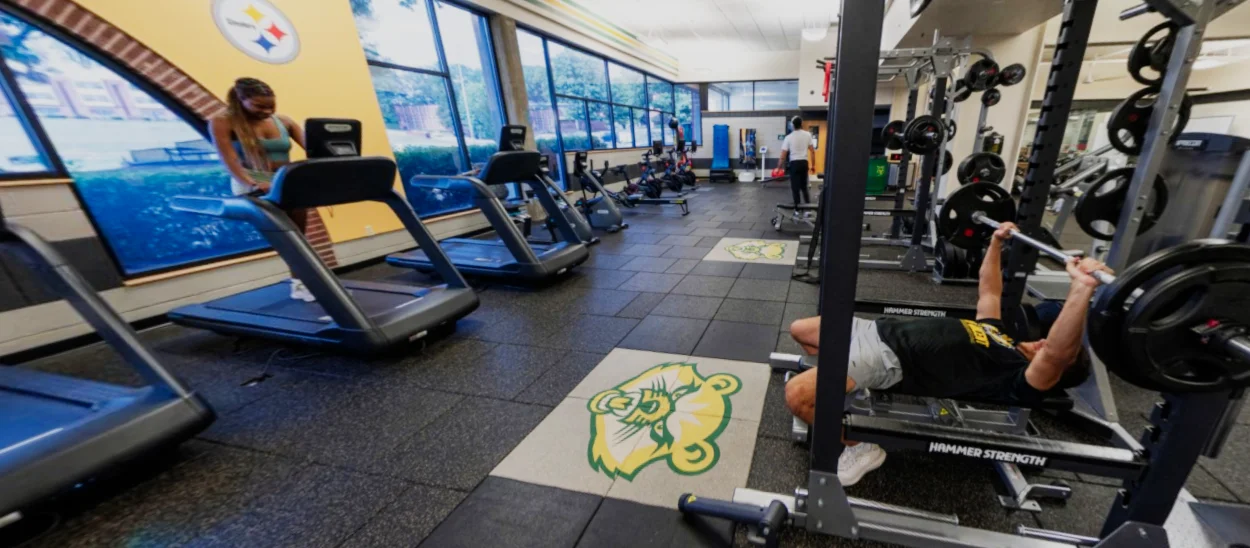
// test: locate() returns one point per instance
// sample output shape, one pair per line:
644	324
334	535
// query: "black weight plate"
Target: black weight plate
1159	339
918	6
982	167
955	222
991	97
947	160
1152	54
892	134
981	75
1106	325
960	268
923	134
951	129
944	258
1130	120
1104	200
1011	75
962	92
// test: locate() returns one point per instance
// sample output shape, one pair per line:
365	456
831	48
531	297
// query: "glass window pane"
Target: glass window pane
624	122
657	127
661	94
396	31
628	86
127	154
534	68
17	151
732	96
574	131
466	42
577	74
600	125
642	122
777	95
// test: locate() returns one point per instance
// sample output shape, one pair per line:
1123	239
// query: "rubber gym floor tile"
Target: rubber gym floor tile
682	266
709	241
517	330
718	268
408	520
1083	513
664	334
642	305
170	504
319	507
767	272
603	302
625	524
781	252
682	252
748	402
760	312
1204	486
687	241
670	230
646	250
598	278
589	333
737	341
803	293
1231	470
640	237
332	420
776	420
778	465
704	286
688	306
710	232
501	373
739	225
786	344
461	447
795	311
746	233
760	290
658	484
556	454
703	224
503	513
654	283
599	259
555	385
648	264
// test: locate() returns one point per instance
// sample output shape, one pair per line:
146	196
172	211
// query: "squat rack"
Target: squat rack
1184	424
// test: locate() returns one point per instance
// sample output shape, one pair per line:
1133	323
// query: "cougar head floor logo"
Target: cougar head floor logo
669	412
757	249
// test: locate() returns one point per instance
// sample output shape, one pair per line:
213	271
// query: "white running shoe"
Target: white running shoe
858	460
299	291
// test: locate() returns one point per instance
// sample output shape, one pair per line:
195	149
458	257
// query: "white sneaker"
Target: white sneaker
299	292
859	460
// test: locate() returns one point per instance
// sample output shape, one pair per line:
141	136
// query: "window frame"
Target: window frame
9	86
752	82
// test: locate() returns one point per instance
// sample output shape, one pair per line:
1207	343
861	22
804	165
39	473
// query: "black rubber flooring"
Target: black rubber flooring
320	450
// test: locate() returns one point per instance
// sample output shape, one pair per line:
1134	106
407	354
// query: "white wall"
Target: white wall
767	128
1238	110
812	79
710	65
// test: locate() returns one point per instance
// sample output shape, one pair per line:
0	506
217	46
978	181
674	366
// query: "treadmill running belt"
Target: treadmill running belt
275	301
466	253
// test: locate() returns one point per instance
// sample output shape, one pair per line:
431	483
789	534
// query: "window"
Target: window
574	132
781	95
624	124
642	129
661	94
628	86
688	113
600	117
658	129
730	96
126	152
534	69
577	74
424	58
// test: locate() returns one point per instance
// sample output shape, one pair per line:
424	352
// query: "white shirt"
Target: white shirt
797	144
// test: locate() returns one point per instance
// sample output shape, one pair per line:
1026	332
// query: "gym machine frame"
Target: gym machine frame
1183	421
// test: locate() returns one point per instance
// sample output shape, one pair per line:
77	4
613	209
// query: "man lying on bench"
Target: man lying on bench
950	358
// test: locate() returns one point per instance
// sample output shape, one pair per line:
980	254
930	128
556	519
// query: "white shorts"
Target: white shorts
872	364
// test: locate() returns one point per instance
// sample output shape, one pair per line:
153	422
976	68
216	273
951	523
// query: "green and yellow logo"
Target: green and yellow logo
669	412
758	249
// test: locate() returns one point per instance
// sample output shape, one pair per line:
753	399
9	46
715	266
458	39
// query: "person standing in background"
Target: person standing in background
253	141
797	149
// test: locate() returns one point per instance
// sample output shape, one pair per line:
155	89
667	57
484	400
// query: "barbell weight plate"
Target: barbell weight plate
955	222
923	134
961	264
943	258
1103	201
981	75
1108	316
1011	75
1130	120
1158	337
951	129
982	167
991	97
962	92
1149	53
892	134
918	6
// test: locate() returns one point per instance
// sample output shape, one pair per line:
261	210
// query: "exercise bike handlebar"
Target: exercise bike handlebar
1053	252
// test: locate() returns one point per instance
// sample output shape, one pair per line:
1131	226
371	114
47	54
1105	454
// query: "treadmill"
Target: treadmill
58	432
361	317
509	255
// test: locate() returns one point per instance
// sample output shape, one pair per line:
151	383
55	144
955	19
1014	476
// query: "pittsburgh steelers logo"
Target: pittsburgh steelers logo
258	29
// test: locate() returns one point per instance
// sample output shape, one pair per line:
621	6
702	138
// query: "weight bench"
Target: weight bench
802	214
964	413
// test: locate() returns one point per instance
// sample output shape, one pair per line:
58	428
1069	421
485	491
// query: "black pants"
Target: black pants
798	182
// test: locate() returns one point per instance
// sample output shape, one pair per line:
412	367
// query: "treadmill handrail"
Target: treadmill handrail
425	240
240	208
495	213
65	281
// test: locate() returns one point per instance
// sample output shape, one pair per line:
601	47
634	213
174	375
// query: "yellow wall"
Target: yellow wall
329	78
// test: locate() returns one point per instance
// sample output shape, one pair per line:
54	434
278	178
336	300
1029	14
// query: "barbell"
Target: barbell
1054	252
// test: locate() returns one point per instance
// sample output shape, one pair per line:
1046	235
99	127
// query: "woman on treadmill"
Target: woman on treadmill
253	141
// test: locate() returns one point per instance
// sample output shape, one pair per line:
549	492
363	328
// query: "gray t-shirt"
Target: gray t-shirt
797	144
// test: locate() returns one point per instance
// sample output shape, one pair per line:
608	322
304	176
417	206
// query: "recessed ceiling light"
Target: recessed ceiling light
815	34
